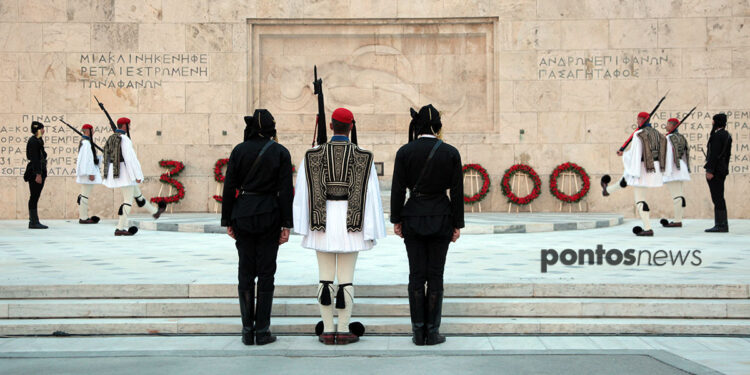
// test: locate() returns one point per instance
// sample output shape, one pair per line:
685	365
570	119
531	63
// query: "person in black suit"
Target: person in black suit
430	220
717	168
257	211
36	172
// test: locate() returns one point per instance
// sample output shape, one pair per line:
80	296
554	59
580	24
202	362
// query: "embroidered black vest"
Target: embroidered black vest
337	171
679	148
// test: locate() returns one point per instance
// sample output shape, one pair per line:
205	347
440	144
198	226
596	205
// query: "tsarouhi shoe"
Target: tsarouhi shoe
162	208
131	231
327	338
346	338
88	221
670	224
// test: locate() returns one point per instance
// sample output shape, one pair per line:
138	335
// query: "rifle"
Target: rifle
111	123
627	142
320	122
101	105
681	121
81	134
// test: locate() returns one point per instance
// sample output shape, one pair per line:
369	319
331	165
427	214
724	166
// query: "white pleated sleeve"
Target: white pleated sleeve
130	159
85	166
374	220
631	158
301	205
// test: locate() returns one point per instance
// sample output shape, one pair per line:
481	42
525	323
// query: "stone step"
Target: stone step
561	290
380	325
383	307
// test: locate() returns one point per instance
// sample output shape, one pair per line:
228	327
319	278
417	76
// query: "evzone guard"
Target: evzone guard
123	170
430	219
676	171
337	208
644	164
87	174
257	211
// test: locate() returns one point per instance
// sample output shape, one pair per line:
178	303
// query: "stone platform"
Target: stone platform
80	279
476	223
605	355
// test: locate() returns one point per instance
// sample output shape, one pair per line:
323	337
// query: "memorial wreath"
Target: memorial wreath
482	193
576	169
168	178
508	191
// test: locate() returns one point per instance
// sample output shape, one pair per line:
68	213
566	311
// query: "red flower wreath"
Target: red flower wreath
168	178
482	193
569	167
219	175
508	192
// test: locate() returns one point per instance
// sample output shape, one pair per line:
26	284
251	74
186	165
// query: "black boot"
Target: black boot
417	312
247	309
721	225
263	334
34	220
434	313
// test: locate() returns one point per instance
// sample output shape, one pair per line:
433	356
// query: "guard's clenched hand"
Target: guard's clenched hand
398	230
284	237
456	234
230	232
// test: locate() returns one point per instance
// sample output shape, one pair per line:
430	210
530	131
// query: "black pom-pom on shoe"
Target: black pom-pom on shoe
357	328
133	230
664	222
606	179
96	219
637	229
319	328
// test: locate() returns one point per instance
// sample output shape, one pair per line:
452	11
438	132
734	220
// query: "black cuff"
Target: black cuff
226	223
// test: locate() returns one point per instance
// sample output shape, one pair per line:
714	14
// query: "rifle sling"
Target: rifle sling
426	164
256	163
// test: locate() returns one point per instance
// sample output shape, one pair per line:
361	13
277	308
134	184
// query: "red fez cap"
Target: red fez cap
123	120
87	126
676	121
343	115
644	115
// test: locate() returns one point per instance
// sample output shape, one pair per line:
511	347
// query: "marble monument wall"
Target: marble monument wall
539	82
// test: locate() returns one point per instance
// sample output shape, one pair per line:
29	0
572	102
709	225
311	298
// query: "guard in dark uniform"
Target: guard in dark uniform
36	172
257	211
430	219
719	151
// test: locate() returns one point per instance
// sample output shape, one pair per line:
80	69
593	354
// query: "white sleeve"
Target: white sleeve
85	157
631	158
670	158
300	205
131	160
374	220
